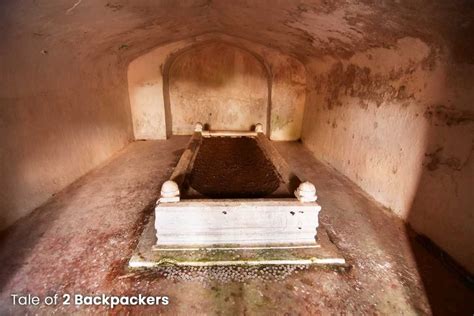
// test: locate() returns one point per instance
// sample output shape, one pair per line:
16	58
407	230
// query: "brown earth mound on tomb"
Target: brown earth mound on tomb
232	168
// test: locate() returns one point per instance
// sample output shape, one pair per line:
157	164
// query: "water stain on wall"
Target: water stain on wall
361	82
439	115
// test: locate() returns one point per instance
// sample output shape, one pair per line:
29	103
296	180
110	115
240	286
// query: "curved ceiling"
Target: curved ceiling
299	28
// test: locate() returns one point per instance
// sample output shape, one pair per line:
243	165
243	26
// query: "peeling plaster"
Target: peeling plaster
416	159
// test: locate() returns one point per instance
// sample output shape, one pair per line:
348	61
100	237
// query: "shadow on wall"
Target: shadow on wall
444	196
55	127
399	123
444	191
447	179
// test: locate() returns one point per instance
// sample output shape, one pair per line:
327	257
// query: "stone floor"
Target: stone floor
81	239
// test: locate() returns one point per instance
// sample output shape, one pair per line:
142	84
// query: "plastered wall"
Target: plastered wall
219	84
60	117
147	87
398	121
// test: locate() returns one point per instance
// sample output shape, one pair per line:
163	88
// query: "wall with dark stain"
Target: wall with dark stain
399	122
246	82
288	96
221	85
59	118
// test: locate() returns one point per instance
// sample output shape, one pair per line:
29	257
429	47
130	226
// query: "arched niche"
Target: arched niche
216	83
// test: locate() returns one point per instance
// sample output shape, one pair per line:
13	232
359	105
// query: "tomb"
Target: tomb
332	171
233	195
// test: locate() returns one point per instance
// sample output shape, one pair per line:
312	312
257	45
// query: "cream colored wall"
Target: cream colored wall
60	116
146	87
288	96
399	122
219	84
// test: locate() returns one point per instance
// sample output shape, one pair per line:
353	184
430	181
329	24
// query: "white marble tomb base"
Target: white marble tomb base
241	221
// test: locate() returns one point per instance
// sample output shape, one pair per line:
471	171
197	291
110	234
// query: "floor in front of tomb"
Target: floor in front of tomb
80	241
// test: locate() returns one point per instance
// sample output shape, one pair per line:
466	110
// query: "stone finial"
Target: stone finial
306	192
259	128
169	192
198	127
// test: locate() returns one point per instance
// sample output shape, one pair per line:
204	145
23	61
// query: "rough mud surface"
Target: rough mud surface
228	167
81	240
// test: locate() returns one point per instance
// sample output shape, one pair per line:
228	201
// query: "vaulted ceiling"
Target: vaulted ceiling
300	28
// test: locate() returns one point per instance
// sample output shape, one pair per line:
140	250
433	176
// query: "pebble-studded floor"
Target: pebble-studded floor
81	239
